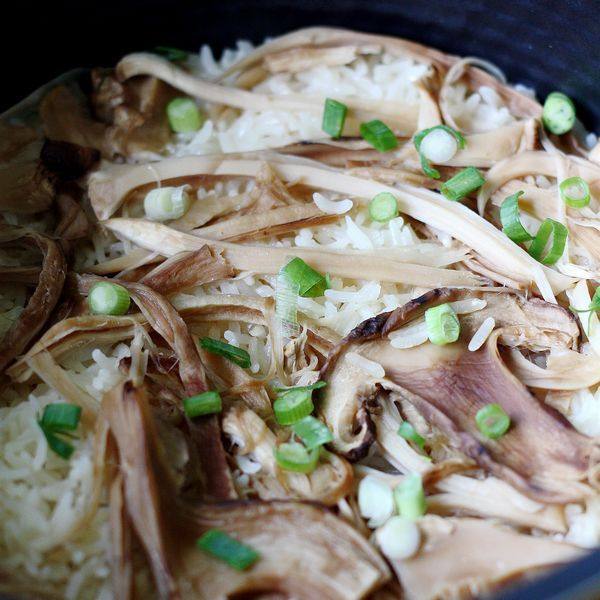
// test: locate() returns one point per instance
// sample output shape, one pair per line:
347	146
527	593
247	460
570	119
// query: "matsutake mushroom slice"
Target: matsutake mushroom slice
540	454
470	557
304	550
44	298
331	481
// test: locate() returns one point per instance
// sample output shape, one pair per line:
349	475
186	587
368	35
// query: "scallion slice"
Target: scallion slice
492	421
462	184
313	386
293	405
184	115
511	221
167	203
379	135
408	432
236	355
310	282
410	497
334	116
170	53
59	446
61	417
295	457
559	239
425	160
207	403
383	207
107	298
594	305
558	114
312	432
219	544
575	192
443	326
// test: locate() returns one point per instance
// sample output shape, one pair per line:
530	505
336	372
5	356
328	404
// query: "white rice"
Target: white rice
43	495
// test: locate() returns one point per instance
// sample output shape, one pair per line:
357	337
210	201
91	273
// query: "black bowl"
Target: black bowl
546	44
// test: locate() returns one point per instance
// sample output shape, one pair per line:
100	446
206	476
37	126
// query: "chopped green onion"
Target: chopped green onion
222	546
492	421
184	115
575	192
58	445
559	239
61	417
286	301
293	405
408	432
379	135
462	184
236	355
108	299
383	207
425	160
295	457
410	497
206	403
313	386
167	203
310	282
558	114
442	324
334	116
312	432
510	219
594	306
170	53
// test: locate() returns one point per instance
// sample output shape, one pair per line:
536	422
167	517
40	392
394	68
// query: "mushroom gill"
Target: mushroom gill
540	454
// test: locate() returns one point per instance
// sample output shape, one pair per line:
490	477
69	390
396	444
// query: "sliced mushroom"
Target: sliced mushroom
135	112
301	59
304	550
540	454
109	188
187	270
470	571
44	298
331	481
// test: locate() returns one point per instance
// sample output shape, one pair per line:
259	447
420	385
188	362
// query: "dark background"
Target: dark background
549	44
546	44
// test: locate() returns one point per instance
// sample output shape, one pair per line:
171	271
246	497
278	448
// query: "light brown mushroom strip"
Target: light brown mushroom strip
331	481
44	298
127	410
108	189
492	497
277	221
75	333
531	163
316	37
564	370
472	572
268	259
120	538
297	60
183	271
400	116
44	366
